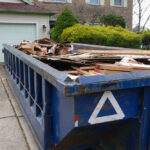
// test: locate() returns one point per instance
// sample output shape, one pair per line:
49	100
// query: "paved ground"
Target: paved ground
15	134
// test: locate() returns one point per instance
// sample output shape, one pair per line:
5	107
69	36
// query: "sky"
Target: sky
135	19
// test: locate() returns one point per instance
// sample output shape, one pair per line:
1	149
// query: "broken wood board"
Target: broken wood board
73	72
93	71
81	71
116	52
106	71
119	67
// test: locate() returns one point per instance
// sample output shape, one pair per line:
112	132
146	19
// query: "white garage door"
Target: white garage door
14	33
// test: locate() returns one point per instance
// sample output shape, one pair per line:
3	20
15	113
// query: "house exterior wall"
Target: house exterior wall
40	20
90	13
11	1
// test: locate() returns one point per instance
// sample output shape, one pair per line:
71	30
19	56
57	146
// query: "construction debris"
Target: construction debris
82	62
44	46
129	62
29	47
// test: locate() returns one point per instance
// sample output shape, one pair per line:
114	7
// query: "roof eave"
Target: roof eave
51	13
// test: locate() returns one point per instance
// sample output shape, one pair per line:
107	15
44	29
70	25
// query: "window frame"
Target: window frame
95	3
118	5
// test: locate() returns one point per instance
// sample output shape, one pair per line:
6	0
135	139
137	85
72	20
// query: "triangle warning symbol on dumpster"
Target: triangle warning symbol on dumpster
94	119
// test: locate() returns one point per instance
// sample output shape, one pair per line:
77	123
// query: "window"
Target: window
63	1
94	2
52	23
118	2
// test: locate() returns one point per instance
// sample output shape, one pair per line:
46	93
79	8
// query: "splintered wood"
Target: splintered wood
43	47
82	62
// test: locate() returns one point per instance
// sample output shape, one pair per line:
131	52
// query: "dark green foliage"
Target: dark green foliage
112	20
64	20
146	39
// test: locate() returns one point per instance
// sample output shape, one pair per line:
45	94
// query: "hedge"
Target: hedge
112	20
146	39
101	35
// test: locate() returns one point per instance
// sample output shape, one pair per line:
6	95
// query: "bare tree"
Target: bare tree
87	13
143	14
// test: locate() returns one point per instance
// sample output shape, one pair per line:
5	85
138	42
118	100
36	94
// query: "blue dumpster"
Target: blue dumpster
106	112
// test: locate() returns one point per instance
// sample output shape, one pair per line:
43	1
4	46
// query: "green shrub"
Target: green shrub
101	35
64	20
112	20
146	39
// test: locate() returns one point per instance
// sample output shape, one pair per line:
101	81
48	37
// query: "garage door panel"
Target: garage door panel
13	34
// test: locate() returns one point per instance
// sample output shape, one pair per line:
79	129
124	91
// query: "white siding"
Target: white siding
112	2
28	18
102	2
125	3
11	1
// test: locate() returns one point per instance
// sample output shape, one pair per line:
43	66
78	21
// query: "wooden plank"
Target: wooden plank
118	68
115	52
80	70
108	71
73	72
87	68
46	45
92	72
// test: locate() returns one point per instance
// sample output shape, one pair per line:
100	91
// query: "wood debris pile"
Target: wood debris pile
44	47
82	62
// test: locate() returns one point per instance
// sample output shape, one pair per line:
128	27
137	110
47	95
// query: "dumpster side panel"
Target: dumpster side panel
34	94
145	121
108	107
124	103
63	110
115	124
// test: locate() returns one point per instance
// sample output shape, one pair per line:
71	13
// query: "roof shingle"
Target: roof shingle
21	7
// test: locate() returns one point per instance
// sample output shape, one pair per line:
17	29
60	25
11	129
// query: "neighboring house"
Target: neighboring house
88	11
21	20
